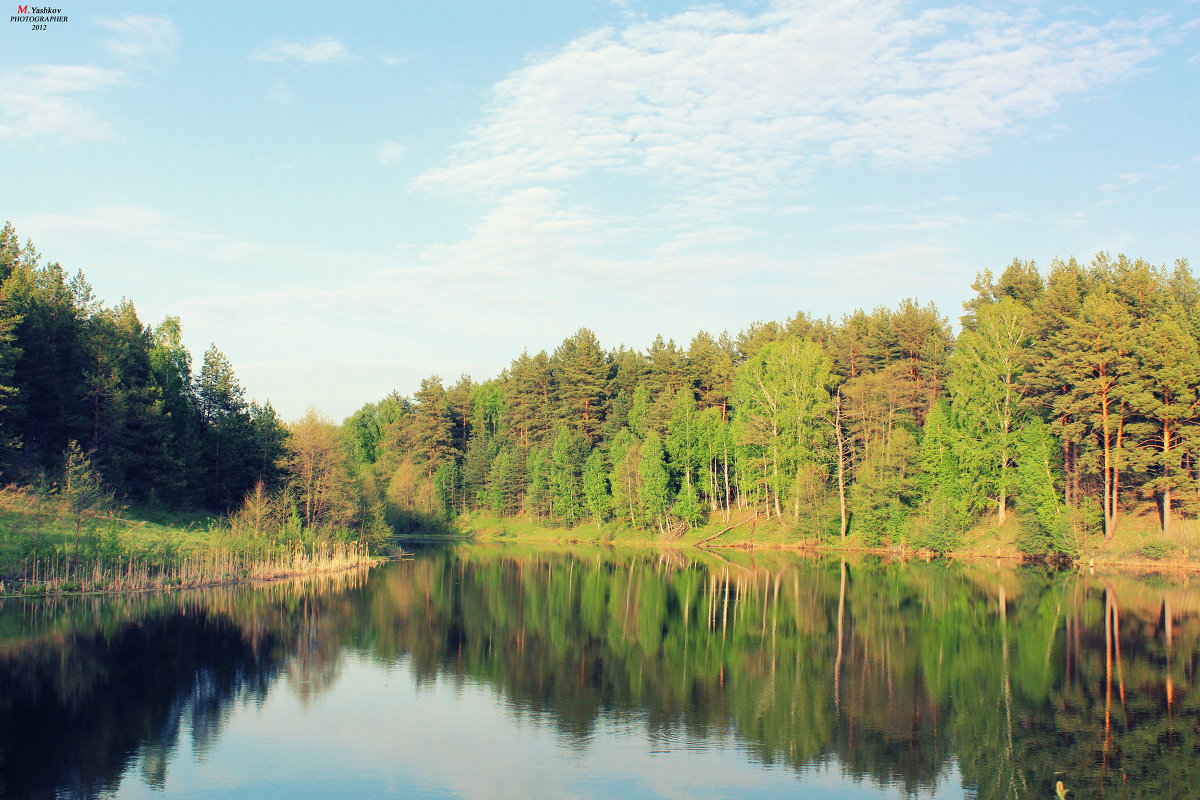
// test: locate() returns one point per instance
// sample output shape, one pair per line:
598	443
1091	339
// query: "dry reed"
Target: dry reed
57	573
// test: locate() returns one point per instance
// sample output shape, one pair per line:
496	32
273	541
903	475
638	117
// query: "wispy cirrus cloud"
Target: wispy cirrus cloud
325	50
49	101
714	99
699	124
58	100
146	226
138	37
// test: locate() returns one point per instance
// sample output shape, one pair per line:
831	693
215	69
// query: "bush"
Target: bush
1057	538
941	533
1155	551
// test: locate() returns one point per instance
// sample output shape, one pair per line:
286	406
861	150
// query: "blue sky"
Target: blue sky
346	198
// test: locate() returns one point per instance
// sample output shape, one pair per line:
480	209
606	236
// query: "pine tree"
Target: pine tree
527	393
1097	385
581	373
229	453
431	431
1165	397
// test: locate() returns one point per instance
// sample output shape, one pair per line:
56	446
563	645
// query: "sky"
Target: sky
346	198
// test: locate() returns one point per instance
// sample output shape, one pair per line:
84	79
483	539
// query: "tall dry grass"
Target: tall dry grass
59	573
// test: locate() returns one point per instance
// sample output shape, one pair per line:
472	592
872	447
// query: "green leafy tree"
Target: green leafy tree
687	506
81	489
640	422
1099	381
447	489
985	390
653	484
945	491
783	415
566	476
683	445
537	493
318	472
886	489
1046	528
625	455
595	487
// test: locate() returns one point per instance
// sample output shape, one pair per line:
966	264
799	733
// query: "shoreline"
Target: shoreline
157	578
493	531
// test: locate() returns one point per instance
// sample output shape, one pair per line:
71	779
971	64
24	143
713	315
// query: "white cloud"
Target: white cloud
140	37
390	153
713	100
699	127
134	223
42	101
325	50
49	101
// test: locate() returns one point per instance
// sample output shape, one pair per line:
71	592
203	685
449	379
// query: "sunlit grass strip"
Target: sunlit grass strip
57	573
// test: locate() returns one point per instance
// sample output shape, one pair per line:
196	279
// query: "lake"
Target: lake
505	671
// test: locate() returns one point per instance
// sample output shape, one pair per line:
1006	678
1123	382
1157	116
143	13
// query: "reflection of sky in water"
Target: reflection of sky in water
375	732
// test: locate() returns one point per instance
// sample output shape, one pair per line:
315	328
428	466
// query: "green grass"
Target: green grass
717	532
40	550
1138	542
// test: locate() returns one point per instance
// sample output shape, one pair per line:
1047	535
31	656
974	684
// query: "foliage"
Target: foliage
1068	395
81	488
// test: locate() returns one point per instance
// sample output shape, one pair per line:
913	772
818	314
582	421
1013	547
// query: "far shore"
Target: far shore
984	543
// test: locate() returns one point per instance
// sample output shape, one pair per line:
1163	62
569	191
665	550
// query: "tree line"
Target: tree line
84	387
1069	397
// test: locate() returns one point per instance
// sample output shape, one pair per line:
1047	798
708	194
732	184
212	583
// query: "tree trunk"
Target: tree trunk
1116	481
1108	475
725	460
1166	512
841	446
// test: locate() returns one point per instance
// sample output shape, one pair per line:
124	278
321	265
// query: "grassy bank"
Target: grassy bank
44	549
1138	545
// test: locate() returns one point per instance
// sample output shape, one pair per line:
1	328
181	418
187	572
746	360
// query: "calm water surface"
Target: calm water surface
501	672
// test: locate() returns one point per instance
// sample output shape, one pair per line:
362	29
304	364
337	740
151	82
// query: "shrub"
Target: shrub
1155	551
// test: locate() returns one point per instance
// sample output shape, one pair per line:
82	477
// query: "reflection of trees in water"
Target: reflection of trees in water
97	686
892	671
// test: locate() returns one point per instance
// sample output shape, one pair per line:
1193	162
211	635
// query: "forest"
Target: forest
1066	399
